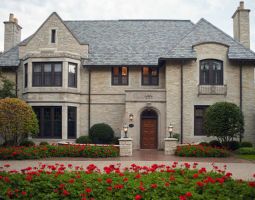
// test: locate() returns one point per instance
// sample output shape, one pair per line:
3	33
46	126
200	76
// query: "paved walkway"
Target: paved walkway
241	169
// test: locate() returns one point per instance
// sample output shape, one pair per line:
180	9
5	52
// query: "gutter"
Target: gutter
89	99
241	92
181	102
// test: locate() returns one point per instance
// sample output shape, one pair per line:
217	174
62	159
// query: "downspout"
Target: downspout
89	98
241	93
16	84
181	102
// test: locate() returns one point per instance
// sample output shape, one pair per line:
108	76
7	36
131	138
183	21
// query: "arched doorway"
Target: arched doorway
149	129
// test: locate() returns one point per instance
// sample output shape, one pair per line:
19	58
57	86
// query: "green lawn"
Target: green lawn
247	157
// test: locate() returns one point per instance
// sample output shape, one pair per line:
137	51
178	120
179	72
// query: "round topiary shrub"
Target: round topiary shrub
246	144
215	143
83	140
27	143
101	133
44	143
115	140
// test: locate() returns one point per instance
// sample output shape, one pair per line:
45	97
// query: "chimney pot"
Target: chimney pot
11	17
241	5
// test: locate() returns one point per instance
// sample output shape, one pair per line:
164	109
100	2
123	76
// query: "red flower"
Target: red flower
7	165
252	184
195	175
182	198
24	193
109	181
188	194
125	179
88	190
154	186
71	180
200	184
109	188
66	193
138	197
167	184
138	176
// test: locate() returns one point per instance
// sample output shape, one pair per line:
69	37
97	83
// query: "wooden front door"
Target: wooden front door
149	128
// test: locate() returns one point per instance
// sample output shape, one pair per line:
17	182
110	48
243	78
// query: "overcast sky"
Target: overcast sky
32	13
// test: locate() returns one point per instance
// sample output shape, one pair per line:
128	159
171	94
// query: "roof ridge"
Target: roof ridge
118	20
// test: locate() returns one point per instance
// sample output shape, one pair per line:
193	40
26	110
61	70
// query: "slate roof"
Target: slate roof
204	31
142	42
10	58
129	42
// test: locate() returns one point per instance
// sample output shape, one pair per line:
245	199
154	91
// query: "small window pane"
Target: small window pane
37	68
47	68
58	68
72	75
145	71
124	71
119	76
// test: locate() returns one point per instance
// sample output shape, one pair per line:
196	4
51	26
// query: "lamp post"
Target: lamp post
125	129
170	130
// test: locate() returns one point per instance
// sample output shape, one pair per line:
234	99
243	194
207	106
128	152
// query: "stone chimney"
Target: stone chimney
241	25
12	33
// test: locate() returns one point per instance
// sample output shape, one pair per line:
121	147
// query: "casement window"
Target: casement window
119	76
199	113
211	72
53	36
72	75
50	121
150	76
47	74
72	124
25	69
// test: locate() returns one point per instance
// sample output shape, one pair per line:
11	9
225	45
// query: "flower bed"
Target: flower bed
35	152
154	182
200	151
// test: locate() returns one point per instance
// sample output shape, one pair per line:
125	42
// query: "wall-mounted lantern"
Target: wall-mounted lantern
125	129
170	130
131	117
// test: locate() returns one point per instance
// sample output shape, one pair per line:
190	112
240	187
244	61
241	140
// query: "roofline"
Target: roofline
178	59
54	13
123	65
209	42
119	20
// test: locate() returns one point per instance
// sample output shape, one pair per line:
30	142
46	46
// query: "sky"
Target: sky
32	13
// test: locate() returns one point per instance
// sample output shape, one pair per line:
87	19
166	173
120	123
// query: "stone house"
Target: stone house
145	73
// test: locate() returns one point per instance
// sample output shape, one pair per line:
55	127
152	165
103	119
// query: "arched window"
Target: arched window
211	72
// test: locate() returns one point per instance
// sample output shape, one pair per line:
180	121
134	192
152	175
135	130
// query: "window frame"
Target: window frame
53	36
75	75
150	76
120	76
42	74
26	75
211	73
52	121
204	107
69	121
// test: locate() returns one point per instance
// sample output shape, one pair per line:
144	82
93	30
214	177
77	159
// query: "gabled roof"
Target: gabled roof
203	32
10	58
129	42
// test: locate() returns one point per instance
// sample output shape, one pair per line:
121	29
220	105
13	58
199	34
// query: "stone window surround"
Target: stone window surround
64	116
64	87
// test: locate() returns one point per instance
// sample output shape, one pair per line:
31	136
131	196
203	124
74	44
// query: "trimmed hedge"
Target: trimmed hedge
246	144
246	150
200	151
84	139
101	133
42	151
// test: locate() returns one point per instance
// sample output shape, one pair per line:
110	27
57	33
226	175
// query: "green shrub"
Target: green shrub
177	136
101	133
115	140
232	145
225	121
27	143
44	143
215	143
200	151
17	119
204	143
246	144
84	139
246	150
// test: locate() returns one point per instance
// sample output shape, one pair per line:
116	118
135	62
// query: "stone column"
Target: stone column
125	146
64	122
170	145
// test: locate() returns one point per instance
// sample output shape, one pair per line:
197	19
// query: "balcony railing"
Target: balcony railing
212	89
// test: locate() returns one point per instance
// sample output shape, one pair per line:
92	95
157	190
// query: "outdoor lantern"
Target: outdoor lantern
170	130
125	129
131	117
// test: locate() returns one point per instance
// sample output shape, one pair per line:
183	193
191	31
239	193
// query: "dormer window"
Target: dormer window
53	36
